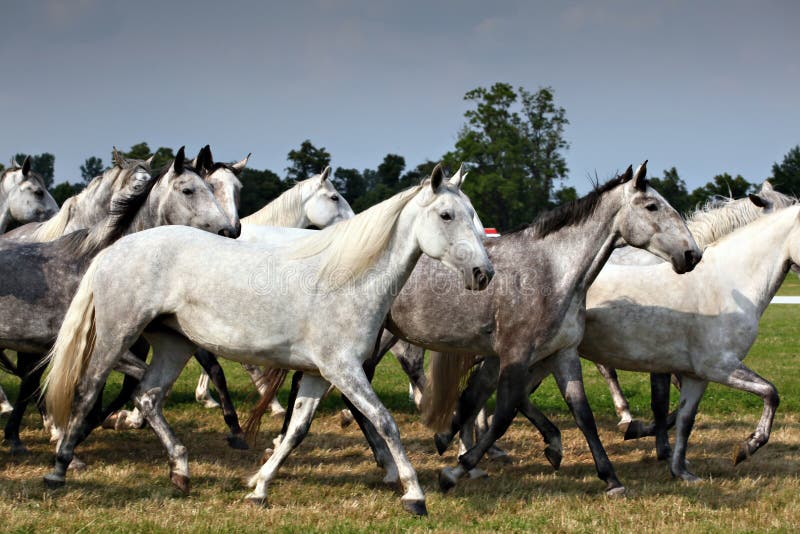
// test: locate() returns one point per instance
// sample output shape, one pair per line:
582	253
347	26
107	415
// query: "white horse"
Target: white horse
317	305
85	209
23	196
700	325
311	202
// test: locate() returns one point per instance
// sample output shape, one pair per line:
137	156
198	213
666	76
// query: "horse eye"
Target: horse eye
188	191
651	207
335	198
446	216
39	193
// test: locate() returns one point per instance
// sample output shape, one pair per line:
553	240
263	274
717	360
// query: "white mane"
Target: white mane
718	218
286	210
353	246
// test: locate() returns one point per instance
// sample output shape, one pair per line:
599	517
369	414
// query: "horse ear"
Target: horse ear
627	175
437	177
325	174
758	201
458	178
640	178
180	161
198	160
117	157
209	158
767	186
26	166
149	161
239	166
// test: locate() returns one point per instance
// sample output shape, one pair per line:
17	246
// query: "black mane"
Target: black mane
571	213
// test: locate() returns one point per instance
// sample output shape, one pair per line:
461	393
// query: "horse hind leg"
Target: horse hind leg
202	393
659	402
30	370
171	352
617	396
310	392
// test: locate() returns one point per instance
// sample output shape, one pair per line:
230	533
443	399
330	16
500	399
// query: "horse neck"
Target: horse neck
581	250
757	257
382	282
276	214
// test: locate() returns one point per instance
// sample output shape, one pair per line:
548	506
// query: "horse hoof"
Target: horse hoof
181	482
635	430
208	403
616	491
265	456
442	443
741	453
260	502
553	456
237	442
111	421
415	506
447	480
54	481
278	413
346	418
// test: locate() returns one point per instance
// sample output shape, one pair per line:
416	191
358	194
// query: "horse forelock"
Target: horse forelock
353	246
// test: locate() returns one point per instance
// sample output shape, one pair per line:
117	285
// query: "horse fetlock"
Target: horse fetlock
448	478
477	473
237	441
18	448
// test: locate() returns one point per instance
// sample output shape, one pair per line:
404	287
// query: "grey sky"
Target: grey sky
709	87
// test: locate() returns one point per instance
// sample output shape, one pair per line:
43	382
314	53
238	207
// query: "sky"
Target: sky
705	86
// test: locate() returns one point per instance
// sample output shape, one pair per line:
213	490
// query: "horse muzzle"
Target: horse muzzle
481	276
690	259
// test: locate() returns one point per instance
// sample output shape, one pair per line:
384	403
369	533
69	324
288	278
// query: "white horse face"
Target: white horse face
188	200
648	221
26	197
445	231
324	205
227	190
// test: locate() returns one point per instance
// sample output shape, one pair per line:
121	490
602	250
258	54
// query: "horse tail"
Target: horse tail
447	374
272	379
72	351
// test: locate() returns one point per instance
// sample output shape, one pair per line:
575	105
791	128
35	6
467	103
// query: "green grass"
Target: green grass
330	482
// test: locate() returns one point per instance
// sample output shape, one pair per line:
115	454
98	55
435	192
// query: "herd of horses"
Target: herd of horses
158	263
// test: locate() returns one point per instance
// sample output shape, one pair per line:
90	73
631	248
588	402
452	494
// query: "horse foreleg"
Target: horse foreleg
353	383
691	392
309	394
214	370
568	375
510	392
5	406
202	393
617	396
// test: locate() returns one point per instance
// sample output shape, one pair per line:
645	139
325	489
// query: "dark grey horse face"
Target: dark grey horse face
648	221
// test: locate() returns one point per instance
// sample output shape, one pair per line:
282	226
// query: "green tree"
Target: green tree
259	188
350	183
564	195
673	189
91	167
390	170
722	185
786	174
42	164
307	161
142	151
64	190
513	142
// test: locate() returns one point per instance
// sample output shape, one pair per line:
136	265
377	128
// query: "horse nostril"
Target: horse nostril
481	277
224	232
237	230
691	258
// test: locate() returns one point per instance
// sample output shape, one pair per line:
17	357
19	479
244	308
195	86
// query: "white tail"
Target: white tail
445	378
73	349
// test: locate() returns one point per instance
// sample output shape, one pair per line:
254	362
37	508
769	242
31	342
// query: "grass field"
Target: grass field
330	482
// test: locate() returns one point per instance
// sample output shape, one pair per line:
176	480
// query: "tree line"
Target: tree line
512	143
